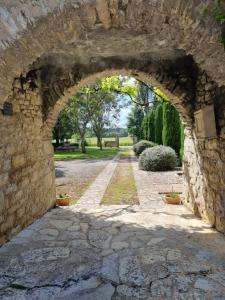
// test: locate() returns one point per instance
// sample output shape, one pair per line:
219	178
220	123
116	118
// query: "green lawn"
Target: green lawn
126	151
92	153
124	141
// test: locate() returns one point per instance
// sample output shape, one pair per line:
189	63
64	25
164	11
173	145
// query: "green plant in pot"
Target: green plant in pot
173	198
63	199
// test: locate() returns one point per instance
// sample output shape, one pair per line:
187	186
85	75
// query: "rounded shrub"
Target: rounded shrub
159	158
141	146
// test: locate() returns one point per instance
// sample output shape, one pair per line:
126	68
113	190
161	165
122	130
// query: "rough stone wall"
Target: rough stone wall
204	159
29	170
30	29
27	187
48	49
204	170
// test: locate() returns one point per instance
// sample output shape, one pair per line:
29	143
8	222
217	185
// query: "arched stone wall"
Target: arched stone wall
49	49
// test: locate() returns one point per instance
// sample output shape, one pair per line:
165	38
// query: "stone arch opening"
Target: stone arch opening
47	53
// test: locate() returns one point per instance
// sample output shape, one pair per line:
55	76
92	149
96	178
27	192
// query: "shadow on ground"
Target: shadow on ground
114	253
59	172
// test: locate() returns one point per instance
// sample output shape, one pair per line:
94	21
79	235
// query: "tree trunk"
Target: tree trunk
57	135
99	142
57	140
83	148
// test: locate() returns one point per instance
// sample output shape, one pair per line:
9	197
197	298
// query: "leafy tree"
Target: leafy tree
160	96
119	86
138	92
80	110
106	111
63	129
95	105
145	97
134	124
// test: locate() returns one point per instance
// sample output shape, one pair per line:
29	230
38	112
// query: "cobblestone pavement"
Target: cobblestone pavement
116	253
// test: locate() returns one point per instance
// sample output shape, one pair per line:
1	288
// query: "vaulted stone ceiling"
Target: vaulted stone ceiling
80	31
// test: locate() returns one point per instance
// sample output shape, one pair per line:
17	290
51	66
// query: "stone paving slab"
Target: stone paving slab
115	252
152	251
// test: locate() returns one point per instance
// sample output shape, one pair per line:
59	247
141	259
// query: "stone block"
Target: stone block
18	161
205	122
3	179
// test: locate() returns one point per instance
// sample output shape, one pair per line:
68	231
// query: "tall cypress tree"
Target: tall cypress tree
159	124
151	125
148	126
144	127
171	127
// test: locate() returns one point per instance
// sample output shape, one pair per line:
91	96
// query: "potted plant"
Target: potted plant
173	198
63	200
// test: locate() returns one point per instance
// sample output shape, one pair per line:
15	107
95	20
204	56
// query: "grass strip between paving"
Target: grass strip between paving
122	189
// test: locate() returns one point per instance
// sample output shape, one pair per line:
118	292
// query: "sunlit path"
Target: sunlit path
93	196
152	185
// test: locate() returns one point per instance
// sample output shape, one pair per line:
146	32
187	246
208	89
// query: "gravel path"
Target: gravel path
152	185
75	176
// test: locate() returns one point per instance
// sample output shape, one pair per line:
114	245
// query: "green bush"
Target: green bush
141	146
159	158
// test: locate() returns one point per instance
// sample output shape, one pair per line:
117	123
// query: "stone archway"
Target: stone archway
48	51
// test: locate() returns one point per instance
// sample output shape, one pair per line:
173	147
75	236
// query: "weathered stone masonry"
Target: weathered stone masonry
47	51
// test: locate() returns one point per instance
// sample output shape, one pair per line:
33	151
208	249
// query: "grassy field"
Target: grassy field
121	189
124	141
92	153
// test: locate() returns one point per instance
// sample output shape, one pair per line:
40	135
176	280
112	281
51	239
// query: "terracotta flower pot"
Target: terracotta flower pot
63	201
172	200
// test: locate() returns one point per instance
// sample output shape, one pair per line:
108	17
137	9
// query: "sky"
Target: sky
125	111
123	117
